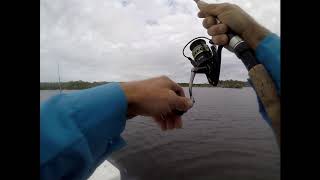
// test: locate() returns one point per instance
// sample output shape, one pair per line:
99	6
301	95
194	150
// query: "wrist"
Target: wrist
130	91
255	34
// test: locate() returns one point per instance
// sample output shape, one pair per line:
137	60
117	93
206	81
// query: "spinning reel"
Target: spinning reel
206	61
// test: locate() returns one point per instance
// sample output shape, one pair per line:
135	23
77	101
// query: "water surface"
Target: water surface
223	137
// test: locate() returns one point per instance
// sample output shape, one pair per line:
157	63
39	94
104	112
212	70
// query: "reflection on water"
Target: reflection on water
223	137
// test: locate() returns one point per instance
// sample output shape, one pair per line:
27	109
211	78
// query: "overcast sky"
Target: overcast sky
122	40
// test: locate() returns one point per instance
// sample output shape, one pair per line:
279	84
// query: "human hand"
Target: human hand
159	98
233	17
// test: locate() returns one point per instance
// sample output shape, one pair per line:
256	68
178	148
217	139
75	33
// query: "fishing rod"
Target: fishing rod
59	79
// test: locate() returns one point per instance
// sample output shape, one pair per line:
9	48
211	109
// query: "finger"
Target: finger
170	119
161	123
209	21
157	121
179	103
210	9
178	122
221	39
217	29
172	85
177	89
176	119
170	123
180	92
202	14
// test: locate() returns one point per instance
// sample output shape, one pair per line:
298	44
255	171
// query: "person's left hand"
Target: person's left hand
159	98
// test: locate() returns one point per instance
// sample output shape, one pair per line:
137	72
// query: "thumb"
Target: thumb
182	103
209	9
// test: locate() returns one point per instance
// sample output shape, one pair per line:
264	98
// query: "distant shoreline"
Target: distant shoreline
77	85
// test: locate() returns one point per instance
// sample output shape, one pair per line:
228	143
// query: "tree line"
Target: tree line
71	85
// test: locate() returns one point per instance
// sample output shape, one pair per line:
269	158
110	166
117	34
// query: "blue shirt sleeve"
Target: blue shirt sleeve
79	130
268	54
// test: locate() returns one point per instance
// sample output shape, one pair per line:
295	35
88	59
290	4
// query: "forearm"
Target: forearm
268	54
254	34
78	130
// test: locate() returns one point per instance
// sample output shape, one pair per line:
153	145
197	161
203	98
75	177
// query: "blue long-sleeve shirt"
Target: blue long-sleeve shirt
268	54
79	130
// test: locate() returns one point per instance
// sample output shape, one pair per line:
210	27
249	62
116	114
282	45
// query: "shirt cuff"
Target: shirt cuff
268	54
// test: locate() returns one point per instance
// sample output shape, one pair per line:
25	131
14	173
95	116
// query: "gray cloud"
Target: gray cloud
124	40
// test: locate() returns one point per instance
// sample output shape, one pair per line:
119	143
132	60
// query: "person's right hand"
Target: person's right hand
233	17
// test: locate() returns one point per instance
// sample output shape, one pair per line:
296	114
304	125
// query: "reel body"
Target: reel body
205	60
